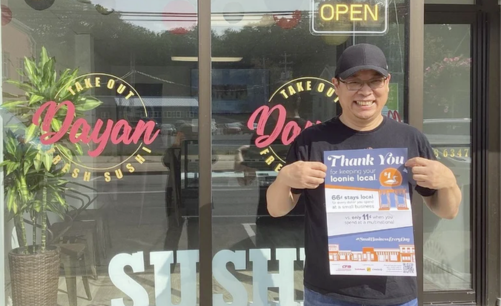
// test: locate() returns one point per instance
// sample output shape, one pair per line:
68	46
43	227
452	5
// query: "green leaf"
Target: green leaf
13	128
74	74
47	72
89	104
48	69
23	189
62	87
64	75
11	200
32	71
78	148
12	105
57	207
64	151
12	167
11	148
56	125
61	182
23	86
59	199
44	57
38	161
54	78
30	132
47	161
37	206
35	98
31	153
27	166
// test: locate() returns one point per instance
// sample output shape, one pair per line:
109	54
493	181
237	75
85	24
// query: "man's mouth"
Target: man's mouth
364	103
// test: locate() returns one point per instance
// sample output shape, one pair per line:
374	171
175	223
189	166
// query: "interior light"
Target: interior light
214	59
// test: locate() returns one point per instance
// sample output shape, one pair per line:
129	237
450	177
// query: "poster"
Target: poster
369	216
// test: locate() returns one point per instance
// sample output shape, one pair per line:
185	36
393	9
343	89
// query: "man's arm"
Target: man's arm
280	200
433	174
445	202
299	175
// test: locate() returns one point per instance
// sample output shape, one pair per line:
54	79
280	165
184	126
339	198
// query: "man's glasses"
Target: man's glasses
359	84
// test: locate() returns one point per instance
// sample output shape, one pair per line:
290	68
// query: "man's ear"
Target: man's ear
335	82
388	79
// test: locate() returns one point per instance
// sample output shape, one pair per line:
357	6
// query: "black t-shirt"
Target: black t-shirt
309	146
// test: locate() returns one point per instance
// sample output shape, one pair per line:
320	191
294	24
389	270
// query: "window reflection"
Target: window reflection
447	124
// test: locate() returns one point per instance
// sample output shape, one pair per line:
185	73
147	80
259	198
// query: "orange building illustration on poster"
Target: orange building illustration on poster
405	253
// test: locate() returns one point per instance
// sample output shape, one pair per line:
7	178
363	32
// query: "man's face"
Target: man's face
363	95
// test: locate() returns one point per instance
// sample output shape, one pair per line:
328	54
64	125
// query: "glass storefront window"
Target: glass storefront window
116	184
447	124
125	233
279	80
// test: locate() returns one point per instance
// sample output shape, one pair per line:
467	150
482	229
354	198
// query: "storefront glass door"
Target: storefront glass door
271	77
126	224
451	108
447	124
117	185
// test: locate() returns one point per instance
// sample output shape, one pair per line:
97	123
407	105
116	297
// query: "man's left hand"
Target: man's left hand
431	174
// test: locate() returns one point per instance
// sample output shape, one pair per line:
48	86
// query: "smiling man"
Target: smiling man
362	85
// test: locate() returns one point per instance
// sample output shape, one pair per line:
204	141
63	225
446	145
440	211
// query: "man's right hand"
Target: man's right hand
303	175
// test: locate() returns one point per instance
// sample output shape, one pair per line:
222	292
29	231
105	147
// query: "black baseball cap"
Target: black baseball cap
361	57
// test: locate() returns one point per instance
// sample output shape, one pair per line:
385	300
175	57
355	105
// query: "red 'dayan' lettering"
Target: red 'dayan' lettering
394	115
290	130
80	130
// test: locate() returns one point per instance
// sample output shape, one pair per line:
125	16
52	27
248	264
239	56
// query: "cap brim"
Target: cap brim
353	70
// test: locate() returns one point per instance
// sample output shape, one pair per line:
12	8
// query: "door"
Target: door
266	57
448	122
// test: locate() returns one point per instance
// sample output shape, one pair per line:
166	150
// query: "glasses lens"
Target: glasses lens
355	85
376	83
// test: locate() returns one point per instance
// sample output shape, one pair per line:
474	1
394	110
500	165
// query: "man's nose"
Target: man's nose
365	90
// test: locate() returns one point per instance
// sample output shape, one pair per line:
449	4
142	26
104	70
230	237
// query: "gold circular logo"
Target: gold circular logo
64	121
279	122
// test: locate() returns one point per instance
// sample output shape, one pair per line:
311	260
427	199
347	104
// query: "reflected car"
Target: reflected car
194	126
233	128
448	131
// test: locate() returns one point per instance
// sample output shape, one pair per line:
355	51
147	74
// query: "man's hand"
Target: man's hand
303	175
434	175
431	174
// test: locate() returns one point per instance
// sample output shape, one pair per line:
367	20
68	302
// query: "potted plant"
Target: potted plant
34	184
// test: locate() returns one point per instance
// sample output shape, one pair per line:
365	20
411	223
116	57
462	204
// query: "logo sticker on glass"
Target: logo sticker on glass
344	17
96	138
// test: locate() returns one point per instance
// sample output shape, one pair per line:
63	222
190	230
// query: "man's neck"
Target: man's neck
362	125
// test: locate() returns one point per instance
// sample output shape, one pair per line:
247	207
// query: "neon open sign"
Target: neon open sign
340	17
355	12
